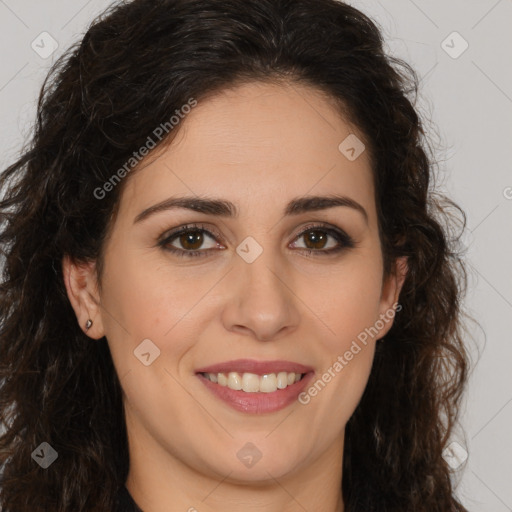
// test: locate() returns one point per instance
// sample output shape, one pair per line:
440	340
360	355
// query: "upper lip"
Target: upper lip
256	367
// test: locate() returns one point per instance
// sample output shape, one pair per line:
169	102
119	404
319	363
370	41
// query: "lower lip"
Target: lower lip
258	403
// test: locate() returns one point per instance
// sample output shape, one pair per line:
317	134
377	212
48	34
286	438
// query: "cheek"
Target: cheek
147	297
347	301
348	305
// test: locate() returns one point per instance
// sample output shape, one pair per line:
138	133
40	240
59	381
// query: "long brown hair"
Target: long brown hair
137	64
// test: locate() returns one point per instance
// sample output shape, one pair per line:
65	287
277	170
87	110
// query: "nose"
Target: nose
261	302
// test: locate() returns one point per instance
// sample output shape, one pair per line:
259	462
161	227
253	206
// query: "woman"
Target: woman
227	284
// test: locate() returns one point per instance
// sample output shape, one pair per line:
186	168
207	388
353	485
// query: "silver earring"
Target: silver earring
88	324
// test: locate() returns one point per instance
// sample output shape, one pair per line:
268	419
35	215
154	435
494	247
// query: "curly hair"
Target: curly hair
137	63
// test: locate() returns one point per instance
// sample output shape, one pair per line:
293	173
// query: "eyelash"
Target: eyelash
340	236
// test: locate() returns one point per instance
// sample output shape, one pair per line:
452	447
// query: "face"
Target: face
257	280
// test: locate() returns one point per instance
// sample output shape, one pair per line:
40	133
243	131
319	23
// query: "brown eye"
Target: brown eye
315	239
191	240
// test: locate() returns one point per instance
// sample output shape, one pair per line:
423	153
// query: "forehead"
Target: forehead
256	144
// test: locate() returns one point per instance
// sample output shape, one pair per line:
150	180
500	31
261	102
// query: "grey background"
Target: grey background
469	101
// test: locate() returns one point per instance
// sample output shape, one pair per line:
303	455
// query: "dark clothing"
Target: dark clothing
125	501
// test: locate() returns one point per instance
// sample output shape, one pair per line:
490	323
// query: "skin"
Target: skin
258	146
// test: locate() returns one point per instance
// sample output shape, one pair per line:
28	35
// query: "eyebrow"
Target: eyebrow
223	208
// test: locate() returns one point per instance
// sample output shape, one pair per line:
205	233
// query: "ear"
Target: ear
82	289
391	288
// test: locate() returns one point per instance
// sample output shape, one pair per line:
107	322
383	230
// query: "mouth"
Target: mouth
256	386
253	383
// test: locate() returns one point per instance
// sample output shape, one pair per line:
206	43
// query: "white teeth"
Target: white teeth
252	383
222	379
234	381
268	383
282	380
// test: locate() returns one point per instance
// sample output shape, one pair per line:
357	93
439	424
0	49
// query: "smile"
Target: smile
252	383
